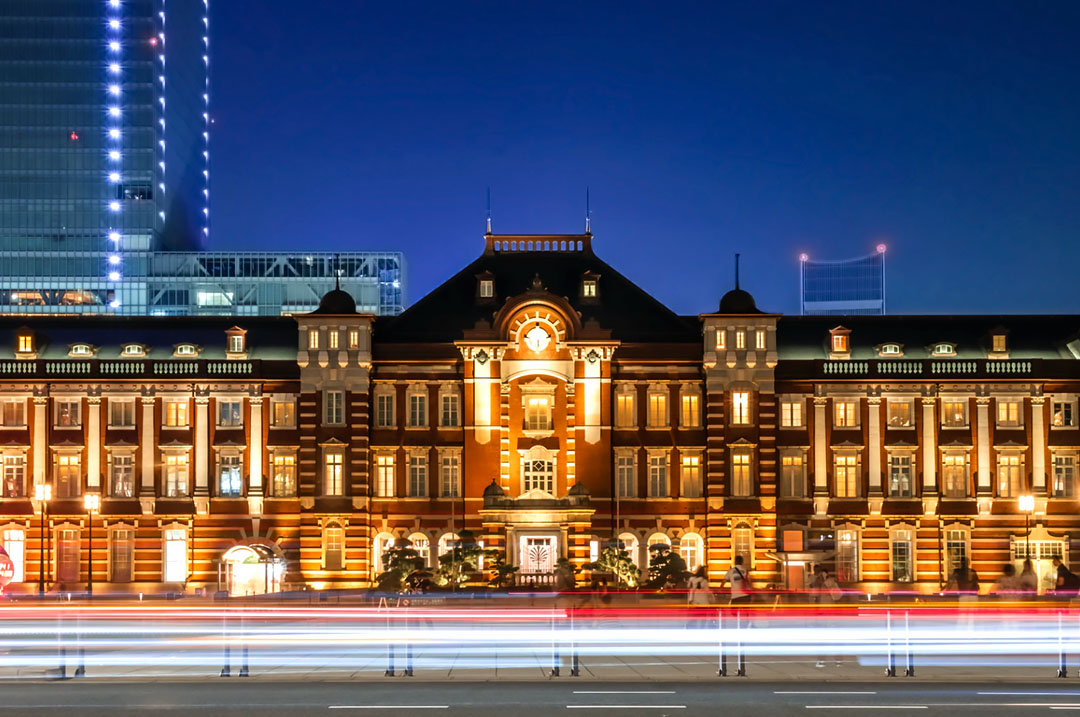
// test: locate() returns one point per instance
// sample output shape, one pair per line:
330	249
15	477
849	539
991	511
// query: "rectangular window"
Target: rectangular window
284	478
487	288
742	544
1008	412
847	556
67	556
999	343
384	410
1064	475
122	475
658	410
333	339
691	410
68	475
417	410
902	555
176	567
67	413
846	413
121	413
954	475
334	413
900	477
121	555
589	288
626	475
230	412
792	476
538	472
953	413
176	475
334	473
384	475
625	410
956	549
418	477
236	344
26	344
538	413
176	414
721	339
230	478
450	411
740	340
900	414
450	476
1063	414
840	344
354	339
14	413
740	408
759	339
15	546
691	477
14	475
313	339
1010	479
283	414
847	475
658	480
791	412
334	547
741	480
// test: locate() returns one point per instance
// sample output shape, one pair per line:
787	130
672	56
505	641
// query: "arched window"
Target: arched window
383	543
742	543
422	545
691	549
446	542
629	543
657	539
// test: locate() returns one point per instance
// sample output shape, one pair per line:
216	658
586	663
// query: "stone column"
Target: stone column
929	446
41	438
255	452
982	437
147	493
1038	446
874	439
821	457
93	443
202	445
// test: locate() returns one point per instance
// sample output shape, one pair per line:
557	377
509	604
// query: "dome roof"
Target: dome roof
738	301
578	490
336	301
494	490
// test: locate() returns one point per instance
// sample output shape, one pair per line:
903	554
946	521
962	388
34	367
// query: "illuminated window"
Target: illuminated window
334	408
791	412
283	414
658	475
81	350
1063	414
121	555
230	477
68	475
847	556
759	339
284	477
690	414
418	476
740	408
902	553
740	340
334	548
385	475
332	340
538	413
999	343
589	288
450	475
792	476
1010	479
900	413
1008	412
334	473
122	475
230	412
67	413
538	470
840	343
1064	475
901	484
742	545
14	542
956	549
133	350
721	339
175	558
176	414
354	339
943	350
625	407
14	475
626	474
741	479
313	339
846	413
690	478
692	551
25	344
954	475
954	413
14	412
846	475
176	475
890	350
186	350
658	408
487	288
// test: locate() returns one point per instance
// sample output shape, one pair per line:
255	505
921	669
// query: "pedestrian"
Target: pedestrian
1028	581
1068	583
826	590
698	592
739	581
964	580
1008	584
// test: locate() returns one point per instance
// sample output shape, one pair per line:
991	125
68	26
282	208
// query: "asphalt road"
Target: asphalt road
403	697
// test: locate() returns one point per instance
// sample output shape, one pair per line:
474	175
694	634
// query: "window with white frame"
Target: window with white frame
658	407
901	478
1010	474
230	475
956	549
658	474
625	406
487	288
538	470
538	411
901	413
846	475
793	475
334	547
791	411
417	398
384	406
954	412
847	556
175	476
450	474
14	542
230	412
122	474
235	343
14	474
67	413
841	343
175	558
68	468
741	477
690	408
846	413
333	472
13	412
1010	412
954	475
1064	475
626	474
742	544
943	350
418	475
283	413
692	550
1063	413
333	408
656	539
690	475
67	555
385	475
902	556
449	408
283	479
175	413
740	408
121	555
422	545
121	412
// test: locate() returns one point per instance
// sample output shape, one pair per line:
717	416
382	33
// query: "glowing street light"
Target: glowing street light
92	501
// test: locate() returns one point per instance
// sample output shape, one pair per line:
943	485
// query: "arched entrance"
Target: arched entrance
252	570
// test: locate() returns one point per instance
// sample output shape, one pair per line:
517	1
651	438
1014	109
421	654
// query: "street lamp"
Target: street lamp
43	494
1027	507
92	501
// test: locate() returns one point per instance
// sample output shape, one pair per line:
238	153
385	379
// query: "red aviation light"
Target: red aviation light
74	136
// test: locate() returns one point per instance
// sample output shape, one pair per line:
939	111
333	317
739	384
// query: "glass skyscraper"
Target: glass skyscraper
853	286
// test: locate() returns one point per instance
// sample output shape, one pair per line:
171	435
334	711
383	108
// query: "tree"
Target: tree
666	567
615	560
460	561
503	573
403	567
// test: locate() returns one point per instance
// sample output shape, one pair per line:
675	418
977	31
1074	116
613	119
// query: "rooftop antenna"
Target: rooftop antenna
736	270
489	210
588	212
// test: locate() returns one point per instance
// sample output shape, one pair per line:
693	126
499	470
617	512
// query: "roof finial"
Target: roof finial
736	270
588	213
489	211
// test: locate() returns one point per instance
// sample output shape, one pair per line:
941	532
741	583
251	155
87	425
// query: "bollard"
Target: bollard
741	663
890	665
1062	669
225	643
389	659
909	670
556	659
722	669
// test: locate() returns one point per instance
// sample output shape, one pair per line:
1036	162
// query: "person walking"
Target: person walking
739	581
1028	582
964	580
1008	585
698	596
1068	582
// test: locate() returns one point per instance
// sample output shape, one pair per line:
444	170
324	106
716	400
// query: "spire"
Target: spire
489	210
736	270
588	213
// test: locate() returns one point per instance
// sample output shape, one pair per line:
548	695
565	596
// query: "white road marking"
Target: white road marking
626	707
815	692
1032	694
388	707
866	707
624	692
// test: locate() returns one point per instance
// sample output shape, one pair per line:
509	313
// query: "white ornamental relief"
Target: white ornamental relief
537	339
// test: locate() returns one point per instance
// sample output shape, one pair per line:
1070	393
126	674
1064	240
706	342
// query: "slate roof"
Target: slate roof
621	306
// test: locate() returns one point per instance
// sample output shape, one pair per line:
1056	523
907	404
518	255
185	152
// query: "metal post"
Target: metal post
243	648
225	641
741	670
722	670
890	664
1062	669
42	560
909	670
556	660
389	647
89	552
80	671
574	665
408	647
61	669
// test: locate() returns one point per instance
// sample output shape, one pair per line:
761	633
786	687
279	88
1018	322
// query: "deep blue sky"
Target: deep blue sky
947	129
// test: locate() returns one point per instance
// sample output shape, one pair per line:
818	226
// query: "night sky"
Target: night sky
949	130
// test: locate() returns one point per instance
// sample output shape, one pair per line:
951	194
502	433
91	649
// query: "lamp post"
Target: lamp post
43	494
1027	506
92	501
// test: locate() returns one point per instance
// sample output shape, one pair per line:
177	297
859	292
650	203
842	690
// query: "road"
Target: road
404	697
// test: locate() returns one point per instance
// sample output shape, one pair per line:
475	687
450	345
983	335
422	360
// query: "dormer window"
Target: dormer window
487	288
81	350
185	350
999	343
133	350
890	350
26	344
235	343
943	350
840	342
588	289
590	286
